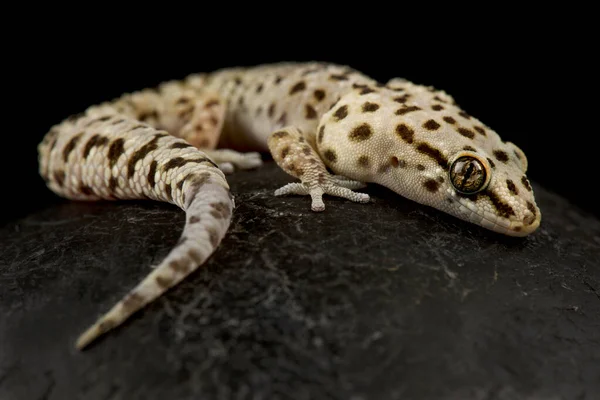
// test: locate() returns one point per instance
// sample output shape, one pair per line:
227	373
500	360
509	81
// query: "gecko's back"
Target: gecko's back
265	98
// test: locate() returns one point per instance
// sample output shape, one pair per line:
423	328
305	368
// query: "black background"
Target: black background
530	79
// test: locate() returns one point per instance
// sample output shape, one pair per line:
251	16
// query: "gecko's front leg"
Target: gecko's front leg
294	155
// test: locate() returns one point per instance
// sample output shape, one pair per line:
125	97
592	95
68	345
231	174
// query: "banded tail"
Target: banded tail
111	157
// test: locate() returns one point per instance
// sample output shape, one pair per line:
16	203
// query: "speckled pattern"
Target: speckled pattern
388	301
330	126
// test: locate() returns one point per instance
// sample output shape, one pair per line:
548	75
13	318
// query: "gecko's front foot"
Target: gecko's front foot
325	184
295	156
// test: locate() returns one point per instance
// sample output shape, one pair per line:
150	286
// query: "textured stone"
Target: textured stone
380	301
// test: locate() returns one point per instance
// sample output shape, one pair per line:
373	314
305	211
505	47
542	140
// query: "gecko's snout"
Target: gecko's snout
529	224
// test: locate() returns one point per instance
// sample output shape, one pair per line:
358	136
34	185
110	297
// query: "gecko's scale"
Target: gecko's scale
161	144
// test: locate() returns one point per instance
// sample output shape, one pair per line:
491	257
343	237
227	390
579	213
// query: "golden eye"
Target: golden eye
468	175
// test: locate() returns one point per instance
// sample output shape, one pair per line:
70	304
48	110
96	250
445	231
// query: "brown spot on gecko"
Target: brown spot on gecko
277	80
338	77
310	112
117	122
395	162
140	154
491	162
147	115
464	115
405	133
298	87
271	110
179	266
112	183
94	141
431	185
106	325
70	146
363	161
132	302
321	134
480	130
220	210
431	125
449	120
501	156
366	90
469	148
319	94
438	98
194	219
196	256
164	282
360	133
151	173
59	177
330	155
212	103
284	152
306	150
168	192
369	107
502	208
259	88
86	190
511	186
213	236
531	208
437	107
465	132
341	113
420	167
321	178
183	115
179	161
280	134
115	151
401	99
440	179
180	145
433	153
406	110
525	183
283	119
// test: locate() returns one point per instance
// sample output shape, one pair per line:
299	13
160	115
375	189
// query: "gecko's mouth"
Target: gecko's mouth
496	223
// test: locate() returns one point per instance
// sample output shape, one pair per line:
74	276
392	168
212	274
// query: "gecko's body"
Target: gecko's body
161	144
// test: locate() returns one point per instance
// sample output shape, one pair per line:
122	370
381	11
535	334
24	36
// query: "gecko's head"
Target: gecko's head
494	194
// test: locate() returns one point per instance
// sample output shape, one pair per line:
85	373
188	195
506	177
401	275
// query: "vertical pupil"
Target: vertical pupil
467	175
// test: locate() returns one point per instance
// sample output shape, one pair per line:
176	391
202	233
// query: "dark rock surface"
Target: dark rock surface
389	300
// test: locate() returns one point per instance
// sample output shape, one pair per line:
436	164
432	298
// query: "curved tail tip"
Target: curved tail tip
92	333
86	338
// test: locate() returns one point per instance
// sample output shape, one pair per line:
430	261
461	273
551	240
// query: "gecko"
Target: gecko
328	125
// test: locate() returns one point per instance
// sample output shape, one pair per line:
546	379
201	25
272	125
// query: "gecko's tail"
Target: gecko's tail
208	215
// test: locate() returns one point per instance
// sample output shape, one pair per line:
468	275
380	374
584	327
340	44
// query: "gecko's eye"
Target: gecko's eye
468	175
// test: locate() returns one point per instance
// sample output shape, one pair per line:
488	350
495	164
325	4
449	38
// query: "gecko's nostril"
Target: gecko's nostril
529	219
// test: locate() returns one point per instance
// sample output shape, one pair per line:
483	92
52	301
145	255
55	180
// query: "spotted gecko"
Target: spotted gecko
330	126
